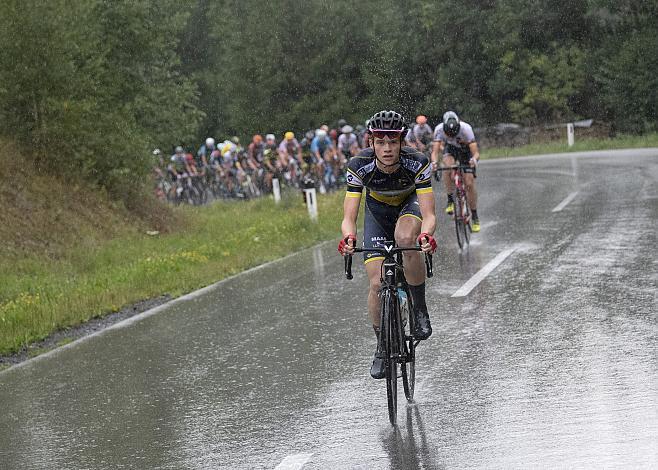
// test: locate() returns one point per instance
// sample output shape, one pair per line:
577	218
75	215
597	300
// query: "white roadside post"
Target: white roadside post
311	203
570	134
276	190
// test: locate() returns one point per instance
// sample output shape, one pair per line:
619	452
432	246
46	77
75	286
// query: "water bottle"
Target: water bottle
404	305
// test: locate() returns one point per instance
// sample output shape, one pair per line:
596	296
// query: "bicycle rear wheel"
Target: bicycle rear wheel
391	351
408	351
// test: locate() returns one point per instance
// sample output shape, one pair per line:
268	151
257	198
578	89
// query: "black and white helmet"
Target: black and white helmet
451	124
387	121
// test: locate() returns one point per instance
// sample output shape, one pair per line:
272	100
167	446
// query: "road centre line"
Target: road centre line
294	462
566	201
464	290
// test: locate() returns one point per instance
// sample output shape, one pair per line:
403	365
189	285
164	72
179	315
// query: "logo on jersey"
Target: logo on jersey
410	164
353	179
425	174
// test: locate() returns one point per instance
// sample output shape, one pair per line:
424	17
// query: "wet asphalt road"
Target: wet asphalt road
551	361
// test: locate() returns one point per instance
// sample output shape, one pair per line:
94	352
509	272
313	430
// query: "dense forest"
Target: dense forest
89	86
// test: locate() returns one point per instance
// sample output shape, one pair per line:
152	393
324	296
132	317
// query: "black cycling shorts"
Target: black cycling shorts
462	155
380	220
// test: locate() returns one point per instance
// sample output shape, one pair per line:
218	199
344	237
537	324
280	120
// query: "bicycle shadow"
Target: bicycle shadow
409	448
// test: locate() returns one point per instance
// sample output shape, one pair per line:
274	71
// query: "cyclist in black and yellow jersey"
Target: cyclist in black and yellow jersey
399	206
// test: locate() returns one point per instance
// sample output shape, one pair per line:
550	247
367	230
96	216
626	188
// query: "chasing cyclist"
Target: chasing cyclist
456	141
399	206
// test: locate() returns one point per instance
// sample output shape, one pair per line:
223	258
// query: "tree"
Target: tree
92	86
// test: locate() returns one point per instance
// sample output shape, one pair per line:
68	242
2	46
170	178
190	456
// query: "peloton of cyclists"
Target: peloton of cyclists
455	140
320	159
399	205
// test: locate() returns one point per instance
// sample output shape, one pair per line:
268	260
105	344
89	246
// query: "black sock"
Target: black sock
418	297
475	213
450	199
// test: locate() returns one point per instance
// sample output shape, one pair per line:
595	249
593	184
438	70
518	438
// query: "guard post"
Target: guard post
276	190
311	203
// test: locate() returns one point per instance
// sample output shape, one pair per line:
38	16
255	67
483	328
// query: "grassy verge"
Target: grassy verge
39	295
580	145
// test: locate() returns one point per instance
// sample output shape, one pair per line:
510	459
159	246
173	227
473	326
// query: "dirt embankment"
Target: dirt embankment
49	214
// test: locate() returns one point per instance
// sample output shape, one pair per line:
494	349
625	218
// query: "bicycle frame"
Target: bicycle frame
462	213
458	179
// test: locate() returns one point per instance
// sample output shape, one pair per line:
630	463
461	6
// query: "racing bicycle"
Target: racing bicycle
462	214
396	337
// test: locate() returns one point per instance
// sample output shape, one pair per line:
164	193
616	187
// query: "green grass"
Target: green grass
39	295
580	145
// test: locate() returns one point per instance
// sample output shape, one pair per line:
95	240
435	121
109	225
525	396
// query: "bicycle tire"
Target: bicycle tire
458	219
466	219
466	227
390	352
408	365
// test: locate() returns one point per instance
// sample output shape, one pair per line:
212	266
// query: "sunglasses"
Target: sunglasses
381	133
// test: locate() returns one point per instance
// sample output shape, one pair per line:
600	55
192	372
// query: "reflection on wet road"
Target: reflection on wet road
549	360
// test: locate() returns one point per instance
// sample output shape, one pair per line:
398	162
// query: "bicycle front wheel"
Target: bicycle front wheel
408	352
391	351
467	217
459	221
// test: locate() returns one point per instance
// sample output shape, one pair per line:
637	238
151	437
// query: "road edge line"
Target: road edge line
153	311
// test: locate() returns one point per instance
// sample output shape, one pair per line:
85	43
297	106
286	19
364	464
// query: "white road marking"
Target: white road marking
293	462
566	201
482	273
